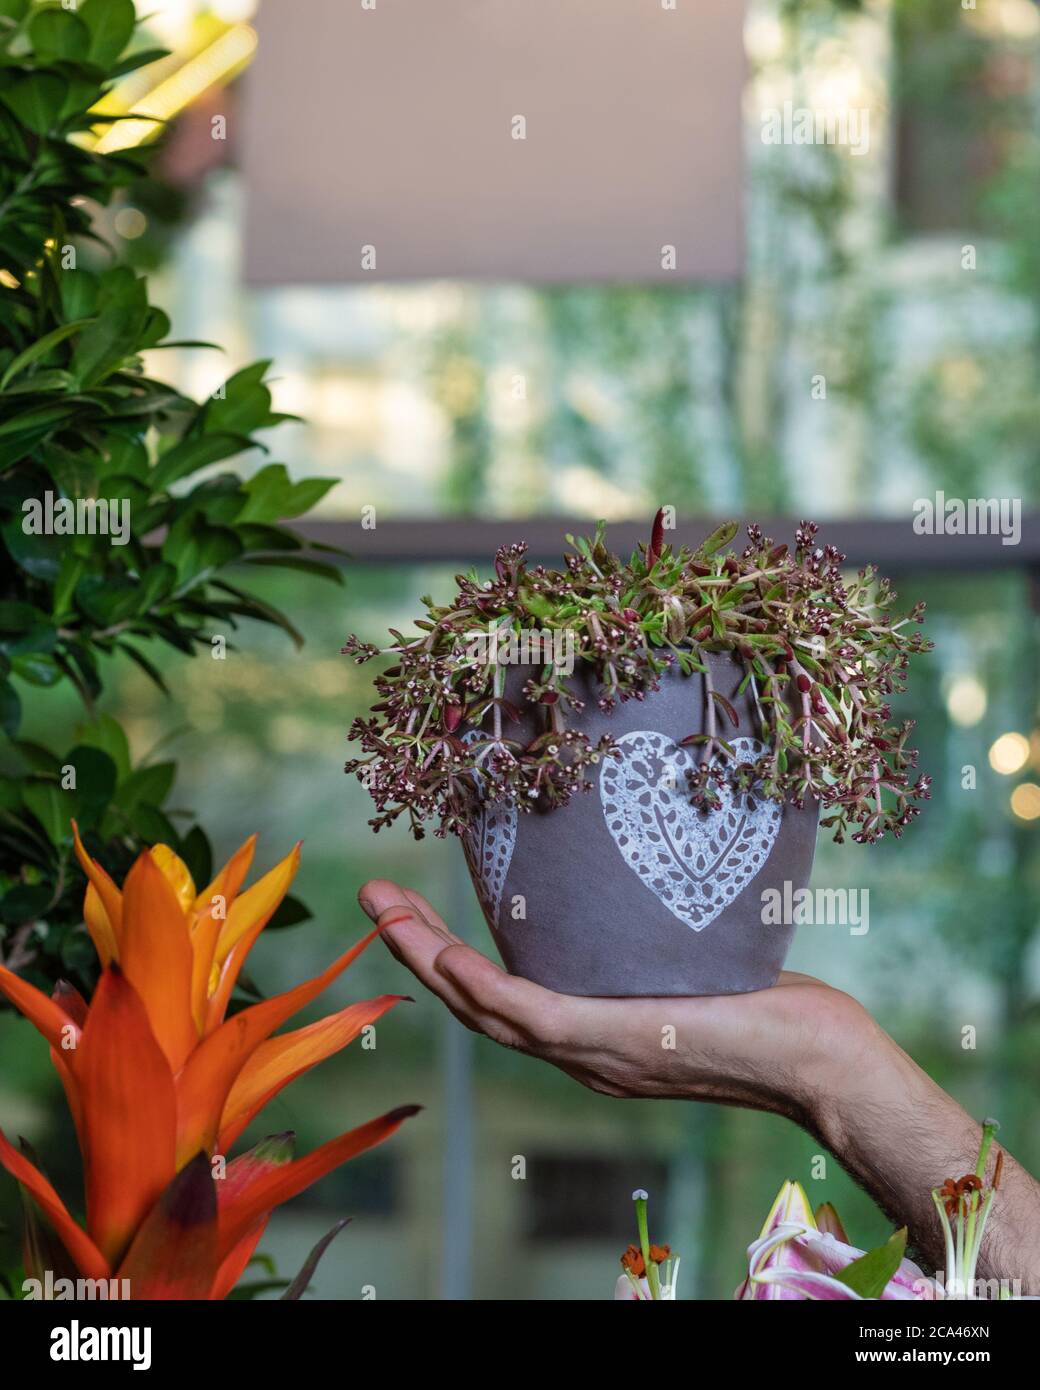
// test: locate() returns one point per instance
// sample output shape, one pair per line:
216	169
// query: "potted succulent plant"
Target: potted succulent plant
710	702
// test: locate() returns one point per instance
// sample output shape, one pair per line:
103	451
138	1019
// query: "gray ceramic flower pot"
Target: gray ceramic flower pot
628	890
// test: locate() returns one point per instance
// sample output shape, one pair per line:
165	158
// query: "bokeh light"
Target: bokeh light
1025	801
966	700
1009	754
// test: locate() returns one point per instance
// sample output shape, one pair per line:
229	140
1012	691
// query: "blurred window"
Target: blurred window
582	1196
963	98
367	1186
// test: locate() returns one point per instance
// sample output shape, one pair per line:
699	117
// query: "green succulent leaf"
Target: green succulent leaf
719	538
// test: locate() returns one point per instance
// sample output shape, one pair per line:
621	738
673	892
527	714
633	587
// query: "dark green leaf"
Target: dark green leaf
302	563
196	549
17	617
140	59
79	292
158	581
146	786
10	708
38	554
148	667
151	826
37	668
127	456
111	23
246	403
107	599
14	9
51	807
196	852
78	957
110	338
96	776
58	34
255	608
25	903
40	348
105	733
290	912
69	575
73	474
273	496
37	100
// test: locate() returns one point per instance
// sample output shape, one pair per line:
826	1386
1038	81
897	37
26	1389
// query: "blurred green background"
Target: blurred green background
695	397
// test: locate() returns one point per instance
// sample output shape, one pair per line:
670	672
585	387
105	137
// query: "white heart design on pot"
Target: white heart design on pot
489	846
696	863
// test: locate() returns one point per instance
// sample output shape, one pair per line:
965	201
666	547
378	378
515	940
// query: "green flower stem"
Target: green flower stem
652	1276
975	1247
960	1252
989	1129
944	1221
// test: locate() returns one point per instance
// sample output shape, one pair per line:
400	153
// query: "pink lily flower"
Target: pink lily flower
799	1255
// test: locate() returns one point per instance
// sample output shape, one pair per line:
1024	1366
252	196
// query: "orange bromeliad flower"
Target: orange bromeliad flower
159	1080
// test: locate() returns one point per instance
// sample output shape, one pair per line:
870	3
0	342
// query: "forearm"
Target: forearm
800	1049
900	1135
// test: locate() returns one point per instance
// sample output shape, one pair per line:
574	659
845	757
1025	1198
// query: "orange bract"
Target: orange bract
159	1081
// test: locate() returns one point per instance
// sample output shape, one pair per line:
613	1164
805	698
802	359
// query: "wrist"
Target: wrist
900	1135
839	1077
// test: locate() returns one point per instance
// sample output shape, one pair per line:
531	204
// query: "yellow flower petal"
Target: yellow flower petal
204	974
100	928
111	897
229	880
177	875
253	909
209	916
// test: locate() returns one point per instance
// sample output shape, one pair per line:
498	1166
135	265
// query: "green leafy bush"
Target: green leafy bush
89	440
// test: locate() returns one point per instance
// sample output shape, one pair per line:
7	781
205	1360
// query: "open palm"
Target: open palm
768	1050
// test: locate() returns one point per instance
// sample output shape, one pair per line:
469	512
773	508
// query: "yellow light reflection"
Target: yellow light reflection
1009	754
966	700
1025	801
214	64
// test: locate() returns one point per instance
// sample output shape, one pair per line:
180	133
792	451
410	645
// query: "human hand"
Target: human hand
800	1049
781	1049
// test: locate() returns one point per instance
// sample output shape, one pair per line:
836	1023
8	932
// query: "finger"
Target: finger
538	1016
413	941
431	915
380	896
483	996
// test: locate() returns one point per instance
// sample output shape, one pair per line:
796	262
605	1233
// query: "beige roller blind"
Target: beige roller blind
531	140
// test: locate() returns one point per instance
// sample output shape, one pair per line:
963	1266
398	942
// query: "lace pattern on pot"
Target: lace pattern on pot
696	863
488	848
